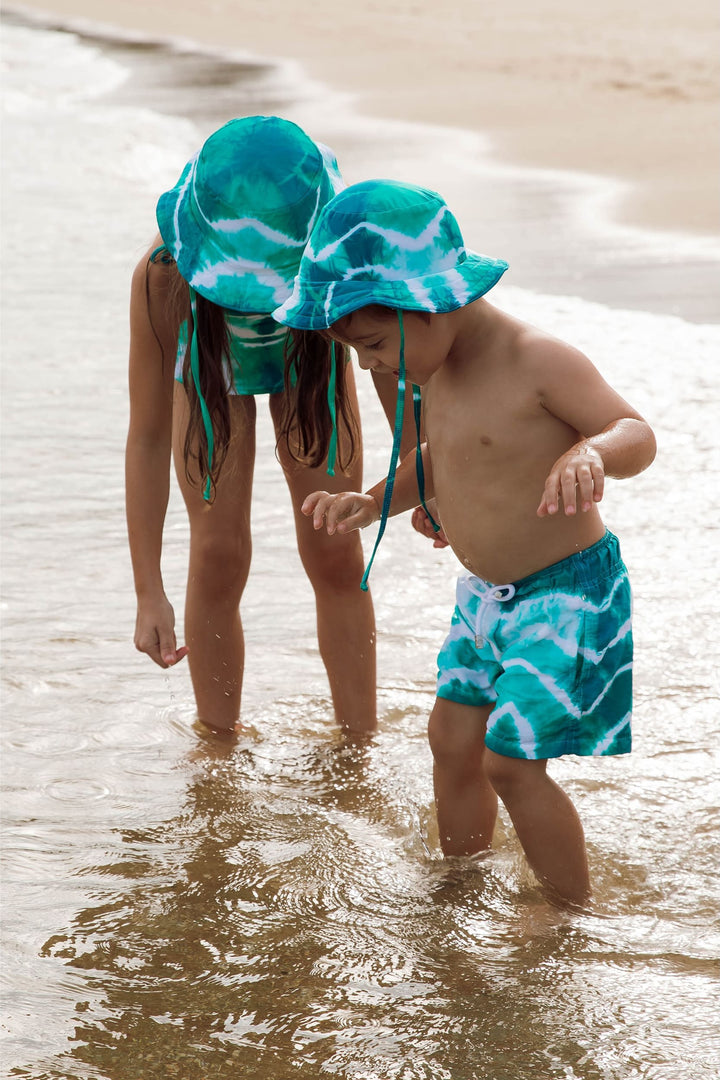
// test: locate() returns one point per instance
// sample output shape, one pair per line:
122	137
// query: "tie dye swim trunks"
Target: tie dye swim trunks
553	654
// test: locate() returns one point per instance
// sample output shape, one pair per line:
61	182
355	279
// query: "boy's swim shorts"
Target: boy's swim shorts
553	654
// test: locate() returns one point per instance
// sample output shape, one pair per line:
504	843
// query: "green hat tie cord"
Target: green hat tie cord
397	436
332	451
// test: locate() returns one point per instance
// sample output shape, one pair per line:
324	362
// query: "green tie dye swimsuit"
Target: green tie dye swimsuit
552	653
257	354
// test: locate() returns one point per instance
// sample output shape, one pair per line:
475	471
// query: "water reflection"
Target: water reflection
288	921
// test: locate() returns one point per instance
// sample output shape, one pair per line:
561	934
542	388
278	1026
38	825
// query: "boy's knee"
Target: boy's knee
507	773
454	742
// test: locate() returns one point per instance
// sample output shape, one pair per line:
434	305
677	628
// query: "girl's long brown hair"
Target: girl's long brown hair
214	356
306	426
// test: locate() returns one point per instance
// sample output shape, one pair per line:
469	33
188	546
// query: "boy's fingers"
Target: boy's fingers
311	502
585	487
598	482
567	486
549	501
340	511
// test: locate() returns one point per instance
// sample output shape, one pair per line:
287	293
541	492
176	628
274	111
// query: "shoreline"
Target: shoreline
624	98
559	230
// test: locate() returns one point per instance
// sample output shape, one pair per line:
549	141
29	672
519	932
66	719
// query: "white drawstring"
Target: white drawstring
487	594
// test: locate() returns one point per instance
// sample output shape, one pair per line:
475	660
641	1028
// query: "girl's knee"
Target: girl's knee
220	561
336	567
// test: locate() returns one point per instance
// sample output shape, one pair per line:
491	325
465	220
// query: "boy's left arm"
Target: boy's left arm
615	439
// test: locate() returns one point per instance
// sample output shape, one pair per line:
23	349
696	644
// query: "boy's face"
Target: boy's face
376	339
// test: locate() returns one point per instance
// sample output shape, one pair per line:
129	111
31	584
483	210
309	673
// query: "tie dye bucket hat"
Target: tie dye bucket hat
385	242
240	215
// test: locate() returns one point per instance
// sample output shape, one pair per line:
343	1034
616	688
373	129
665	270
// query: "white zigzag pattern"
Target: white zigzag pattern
602	745
236	225
596	657
598	699
181	195
548	684
208	275
422	295
477	679
393	236
328	301
526	735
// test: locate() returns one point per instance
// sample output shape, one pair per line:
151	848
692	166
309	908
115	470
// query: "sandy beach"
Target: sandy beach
630	91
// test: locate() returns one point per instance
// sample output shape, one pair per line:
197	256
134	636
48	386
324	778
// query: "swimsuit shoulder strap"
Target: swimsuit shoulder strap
161	254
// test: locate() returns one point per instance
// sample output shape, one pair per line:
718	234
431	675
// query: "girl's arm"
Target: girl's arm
351	510
147	457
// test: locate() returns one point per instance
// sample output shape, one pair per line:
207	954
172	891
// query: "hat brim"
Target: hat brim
317	305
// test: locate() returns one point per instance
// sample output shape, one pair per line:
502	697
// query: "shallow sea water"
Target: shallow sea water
176	907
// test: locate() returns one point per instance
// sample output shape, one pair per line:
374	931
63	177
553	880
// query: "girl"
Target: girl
202	345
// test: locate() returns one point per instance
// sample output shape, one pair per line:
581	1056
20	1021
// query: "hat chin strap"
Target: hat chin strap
397	436
195	370
332	381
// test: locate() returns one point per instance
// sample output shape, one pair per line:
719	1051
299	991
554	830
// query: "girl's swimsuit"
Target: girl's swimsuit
257	354
552	653
257	348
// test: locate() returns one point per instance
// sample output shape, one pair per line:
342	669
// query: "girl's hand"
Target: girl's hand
421	523
341	513
579	476
155	633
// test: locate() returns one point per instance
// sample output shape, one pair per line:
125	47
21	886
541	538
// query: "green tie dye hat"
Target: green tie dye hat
240	215
384	242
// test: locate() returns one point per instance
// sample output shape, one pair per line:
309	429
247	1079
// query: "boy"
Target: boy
520	432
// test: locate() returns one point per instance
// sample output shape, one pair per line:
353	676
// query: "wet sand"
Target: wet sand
629	92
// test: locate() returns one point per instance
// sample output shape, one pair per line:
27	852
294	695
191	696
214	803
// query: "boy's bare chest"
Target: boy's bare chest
479	423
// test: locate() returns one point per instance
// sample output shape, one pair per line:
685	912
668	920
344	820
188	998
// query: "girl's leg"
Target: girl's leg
465	801
546	823
345	618
220	549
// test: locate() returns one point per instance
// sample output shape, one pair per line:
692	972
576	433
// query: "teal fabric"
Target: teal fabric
257	354
384	242
237	222
239	217
552	653
394	455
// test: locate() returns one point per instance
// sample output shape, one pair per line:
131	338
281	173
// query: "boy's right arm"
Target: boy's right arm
147	460
351	510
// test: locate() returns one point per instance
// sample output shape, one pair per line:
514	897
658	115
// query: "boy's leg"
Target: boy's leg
546	823
465	801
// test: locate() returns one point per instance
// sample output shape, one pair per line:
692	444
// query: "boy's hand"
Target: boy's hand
341	513
579	477
421	523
